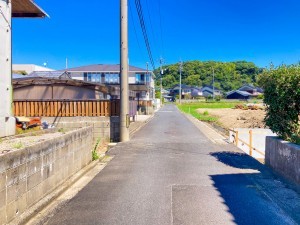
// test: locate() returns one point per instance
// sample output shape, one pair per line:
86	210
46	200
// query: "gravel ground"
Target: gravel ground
14	144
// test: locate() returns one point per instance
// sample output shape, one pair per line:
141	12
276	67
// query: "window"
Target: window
89	77
112	78
139	78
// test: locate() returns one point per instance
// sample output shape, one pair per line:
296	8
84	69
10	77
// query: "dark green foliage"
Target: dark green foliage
228	76
282	97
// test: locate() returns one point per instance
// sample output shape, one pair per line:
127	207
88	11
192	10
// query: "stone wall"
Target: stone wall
284	158
29	174
104	127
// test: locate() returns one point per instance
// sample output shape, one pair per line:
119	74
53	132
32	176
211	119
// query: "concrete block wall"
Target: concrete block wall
284	158
29	174
104	127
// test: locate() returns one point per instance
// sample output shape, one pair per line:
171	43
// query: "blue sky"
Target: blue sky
261	31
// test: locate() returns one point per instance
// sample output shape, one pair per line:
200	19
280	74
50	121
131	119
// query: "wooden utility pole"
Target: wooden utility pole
124	88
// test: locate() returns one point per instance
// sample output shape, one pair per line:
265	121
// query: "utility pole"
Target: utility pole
213	70
161	61
66	63
124	92
7	120
180	72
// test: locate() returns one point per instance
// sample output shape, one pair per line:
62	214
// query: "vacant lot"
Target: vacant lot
224	114
192	109
236	118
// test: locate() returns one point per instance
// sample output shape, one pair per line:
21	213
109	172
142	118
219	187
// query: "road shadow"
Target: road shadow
238	160
246	202
261	197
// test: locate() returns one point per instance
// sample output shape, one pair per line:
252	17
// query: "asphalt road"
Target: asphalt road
170	173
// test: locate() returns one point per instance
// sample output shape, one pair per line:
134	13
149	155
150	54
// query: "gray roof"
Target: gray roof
104	68
18	76
251	87
211	87
243	93
47	74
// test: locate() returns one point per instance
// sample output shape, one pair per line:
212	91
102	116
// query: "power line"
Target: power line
161	30
144	30
134	27
150	21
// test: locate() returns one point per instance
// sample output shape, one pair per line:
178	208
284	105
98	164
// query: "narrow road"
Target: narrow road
170	173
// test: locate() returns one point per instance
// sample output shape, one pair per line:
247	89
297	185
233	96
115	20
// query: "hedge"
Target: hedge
282	97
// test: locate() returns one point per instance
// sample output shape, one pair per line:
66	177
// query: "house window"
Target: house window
148	78
112	78
139	78
89	77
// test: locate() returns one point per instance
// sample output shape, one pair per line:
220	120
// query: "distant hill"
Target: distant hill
228	76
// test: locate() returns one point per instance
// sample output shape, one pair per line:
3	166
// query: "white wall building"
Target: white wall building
29	68
140	80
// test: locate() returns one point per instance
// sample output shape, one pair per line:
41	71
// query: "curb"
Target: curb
217	139
141	126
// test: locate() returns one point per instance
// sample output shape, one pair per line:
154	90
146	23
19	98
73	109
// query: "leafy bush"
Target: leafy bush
260	96
282	97
218	98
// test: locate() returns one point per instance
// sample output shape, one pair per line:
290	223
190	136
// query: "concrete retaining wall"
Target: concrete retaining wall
104	127
284	158
28	175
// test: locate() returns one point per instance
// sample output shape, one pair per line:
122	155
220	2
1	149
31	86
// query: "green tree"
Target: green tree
282	97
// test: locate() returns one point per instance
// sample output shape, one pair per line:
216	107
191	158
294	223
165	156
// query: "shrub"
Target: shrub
260	97
218	98
206	113
282	97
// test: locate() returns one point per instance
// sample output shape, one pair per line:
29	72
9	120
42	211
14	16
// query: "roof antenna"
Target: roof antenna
66	63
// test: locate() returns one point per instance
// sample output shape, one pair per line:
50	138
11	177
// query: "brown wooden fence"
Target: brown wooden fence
143	103
66	108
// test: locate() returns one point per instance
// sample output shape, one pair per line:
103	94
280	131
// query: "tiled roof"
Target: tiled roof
244	93
104	68
211	87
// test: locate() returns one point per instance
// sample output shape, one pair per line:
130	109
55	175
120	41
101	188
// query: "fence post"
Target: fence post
250	142
236	138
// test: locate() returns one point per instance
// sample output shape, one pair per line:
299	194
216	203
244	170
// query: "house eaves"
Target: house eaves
27	9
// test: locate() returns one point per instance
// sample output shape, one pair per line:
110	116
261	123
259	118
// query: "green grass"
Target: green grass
191	108
18	145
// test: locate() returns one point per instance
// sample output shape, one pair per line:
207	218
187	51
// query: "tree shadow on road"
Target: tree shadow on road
249	202
254	198
238	160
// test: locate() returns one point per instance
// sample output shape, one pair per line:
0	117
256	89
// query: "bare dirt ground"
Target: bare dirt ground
238	118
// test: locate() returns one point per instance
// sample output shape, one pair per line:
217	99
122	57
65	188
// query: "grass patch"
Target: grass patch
21	131
205	113
95	155
191	108
18	145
